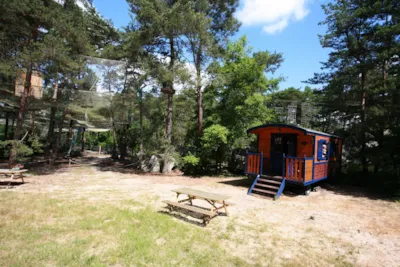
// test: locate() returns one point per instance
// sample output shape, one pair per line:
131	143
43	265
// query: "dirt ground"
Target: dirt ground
332	226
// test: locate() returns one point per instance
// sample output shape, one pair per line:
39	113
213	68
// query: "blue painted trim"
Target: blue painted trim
315	181
254	183
261	163
283	166
313	165
307	183
304	130
281	187
324	134
320	163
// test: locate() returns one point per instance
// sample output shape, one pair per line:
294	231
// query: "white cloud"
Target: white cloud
276	27
275	15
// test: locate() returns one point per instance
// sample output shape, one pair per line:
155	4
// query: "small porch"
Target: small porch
292	169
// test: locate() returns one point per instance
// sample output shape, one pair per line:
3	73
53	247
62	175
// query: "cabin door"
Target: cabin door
281	144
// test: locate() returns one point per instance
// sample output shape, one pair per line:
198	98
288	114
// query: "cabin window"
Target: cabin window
322	150
277	144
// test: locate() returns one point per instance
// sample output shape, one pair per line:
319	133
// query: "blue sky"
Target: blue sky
286	26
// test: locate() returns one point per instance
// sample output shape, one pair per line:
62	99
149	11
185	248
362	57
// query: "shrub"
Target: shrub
214	142
190	163
22	150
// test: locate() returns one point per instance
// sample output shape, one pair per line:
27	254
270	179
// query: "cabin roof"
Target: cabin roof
305	130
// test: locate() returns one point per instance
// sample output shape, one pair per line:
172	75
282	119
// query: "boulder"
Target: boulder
154	164
169	164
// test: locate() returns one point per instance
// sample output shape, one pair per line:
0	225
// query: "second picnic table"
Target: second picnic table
212	198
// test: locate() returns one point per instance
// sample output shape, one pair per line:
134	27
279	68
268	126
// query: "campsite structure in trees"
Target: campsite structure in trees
291	154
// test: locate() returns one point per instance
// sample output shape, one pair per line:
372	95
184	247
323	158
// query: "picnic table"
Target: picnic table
14	174
216	201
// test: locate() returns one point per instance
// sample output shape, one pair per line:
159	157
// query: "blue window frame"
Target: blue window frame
322	150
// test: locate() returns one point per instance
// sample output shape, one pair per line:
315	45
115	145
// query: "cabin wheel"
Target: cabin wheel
307	191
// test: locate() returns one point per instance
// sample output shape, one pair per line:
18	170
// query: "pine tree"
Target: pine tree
208	25
23	27
160	23
364	38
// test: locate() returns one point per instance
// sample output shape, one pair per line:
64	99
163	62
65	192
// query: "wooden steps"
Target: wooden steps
270	186
265	191
270	181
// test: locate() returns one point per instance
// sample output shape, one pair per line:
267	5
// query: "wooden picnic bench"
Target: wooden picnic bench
14	174
211	198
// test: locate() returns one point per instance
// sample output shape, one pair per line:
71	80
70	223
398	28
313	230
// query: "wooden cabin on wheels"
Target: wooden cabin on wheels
291	154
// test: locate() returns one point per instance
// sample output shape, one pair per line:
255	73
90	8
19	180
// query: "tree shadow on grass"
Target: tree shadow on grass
239	182
10	185
182	218
295	190
347	190
192	214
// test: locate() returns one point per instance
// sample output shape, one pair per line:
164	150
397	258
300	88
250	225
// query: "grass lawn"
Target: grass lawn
37	230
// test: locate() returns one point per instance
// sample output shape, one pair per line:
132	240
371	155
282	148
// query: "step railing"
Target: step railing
254	163
297	169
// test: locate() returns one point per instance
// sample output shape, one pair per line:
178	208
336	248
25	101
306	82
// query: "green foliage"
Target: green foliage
214	141
191	160
22	150
238	97
214	137
190	163
35	144
361	86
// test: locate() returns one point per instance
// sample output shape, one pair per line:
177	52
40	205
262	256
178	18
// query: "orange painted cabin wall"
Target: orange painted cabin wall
264	141
305	148
308	171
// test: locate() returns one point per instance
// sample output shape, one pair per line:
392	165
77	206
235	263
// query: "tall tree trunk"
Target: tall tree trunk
122	145
6	128
114	153
20	117
141	126
58	137
32	122
168	129
59	134
68	140
83	139
363	141
381	130
170	93
123	150
12	129
50	133
199	94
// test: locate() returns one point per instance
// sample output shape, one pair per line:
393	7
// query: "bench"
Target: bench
15	174
207	215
